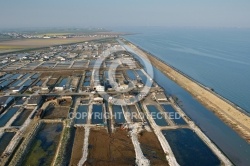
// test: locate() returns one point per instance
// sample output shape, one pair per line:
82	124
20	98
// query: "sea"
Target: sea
217	58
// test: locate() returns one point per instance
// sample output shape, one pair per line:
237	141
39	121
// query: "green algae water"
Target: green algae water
44	145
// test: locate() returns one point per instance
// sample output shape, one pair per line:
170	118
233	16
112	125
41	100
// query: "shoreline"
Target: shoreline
200	84
228	112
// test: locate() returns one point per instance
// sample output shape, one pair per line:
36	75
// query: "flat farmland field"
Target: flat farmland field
8	48
15	45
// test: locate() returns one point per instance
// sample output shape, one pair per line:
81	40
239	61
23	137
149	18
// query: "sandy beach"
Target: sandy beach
227	112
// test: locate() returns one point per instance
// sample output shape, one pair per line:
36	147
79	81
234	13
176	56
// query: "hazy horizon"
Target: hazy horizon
111	13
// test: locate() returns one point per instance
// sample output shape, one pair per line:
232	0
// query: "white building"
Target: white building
59	88
100	88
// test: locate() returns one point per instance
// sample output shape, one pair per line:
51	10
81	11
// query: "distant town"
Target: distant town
16	35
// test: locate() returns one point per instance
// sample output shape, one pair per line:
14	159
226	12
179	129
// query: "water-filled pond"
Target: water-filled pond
189	149
44	145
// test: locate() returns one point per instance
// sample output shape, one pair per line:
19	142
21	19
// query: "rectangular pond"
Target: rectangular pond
157	116
21	118
82	114
145	80
26	76
5	140
27	82
86	83
35	76
20	101
87	78
39	83
88	73
63	82
118	114
15	76
189	149
92	62
8	115
173	114
6	76
106	149
5	83
43	147
131	75
17	82
134	114
97	114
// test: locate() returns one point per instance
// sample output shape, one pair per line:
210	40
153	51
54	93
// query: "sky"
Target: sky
128	13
